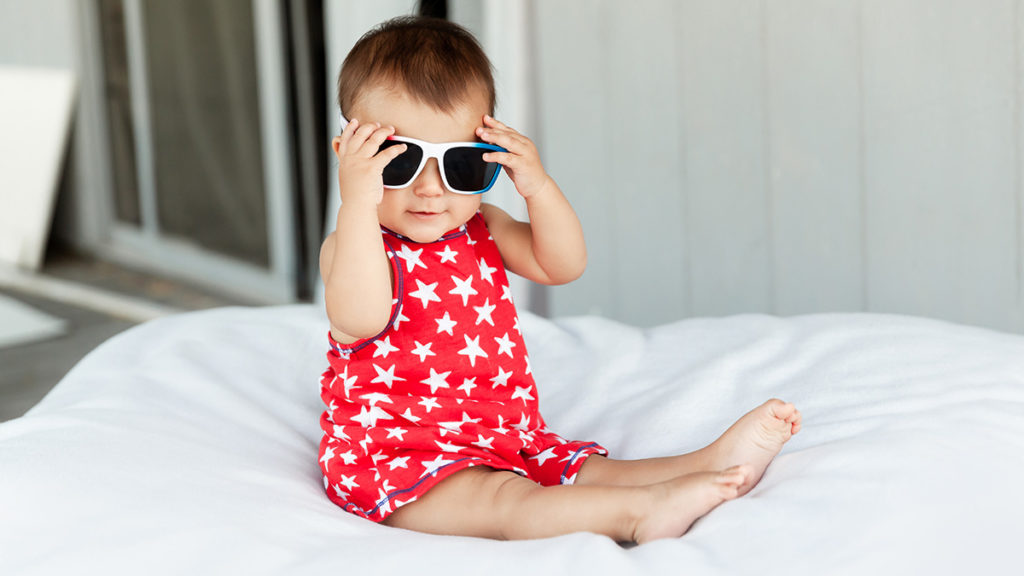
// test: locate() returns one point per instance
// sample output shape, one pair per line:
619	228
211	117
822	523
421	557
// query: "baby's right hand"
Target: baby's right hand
360	165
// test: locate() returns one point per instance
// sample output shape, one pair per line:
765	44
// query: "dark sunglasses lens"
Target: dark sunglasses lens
399	172
466	170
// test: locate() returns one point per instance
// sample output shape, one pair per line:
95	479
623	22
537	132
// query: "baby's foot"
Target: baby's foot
681	501
755	439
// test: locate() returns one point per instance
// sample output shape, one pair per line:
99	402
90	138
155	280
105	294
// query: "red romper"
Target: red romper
446	386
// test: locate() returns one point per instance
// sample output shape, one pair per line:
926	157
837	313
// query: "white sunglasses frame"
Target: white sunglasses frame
437	150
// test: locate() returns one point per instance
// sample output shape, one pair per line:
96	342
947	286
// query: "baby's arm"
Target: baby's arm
548	249
353	263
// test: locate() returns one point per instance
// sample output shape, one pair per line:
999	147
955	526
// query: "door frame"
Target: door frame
145	247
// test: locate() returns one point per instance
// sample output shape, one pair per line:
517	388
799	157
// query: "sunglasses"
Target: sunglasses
463	169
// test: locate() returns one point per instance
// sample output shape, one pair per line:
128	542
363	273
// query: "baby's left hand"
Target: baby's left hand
522	161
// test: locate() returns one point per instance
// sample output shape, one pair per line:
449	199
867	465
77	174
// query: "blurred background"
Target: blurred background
729	156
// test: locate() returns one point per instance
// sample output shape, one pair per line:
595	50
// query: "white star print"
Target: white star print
502	378
429	404
505	345
436	380
467	385
524	422
523	393
463	288
368	417
425	292
387	377
501	426
484	443
349	383
484	312
506	294
432	466
528	369
445	324
384	348
326	458
456	427
408	415
397	432
400	317
383	505
339	433
340	493
411	257
516	325
544	456
375	397
472	349
348	458
423	351
349	481
399	462
486	271
446	447
448	255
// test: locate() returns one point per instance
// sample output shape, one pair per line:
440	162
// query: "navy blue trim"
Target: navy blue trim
399	290
388	498
572	460
459	232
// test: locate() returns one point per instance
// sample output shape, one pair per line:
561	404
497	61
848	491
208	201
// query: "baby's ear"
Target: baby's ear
335	144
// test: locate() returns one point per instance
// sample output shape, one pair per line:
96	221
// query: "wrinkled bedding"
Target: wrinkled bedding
188	445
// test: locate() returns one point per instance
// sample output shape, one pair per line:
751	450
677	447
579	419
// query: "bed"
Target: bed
188	445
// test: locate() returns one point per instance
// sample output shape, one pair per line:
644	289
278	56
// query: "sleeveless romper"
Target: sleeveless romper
447	385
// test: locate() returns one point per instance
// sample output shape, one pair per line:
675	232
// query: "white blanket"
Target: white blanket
188	445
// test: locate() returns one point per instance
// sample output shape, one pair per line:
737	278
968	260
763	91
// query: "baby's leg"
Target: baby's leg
755	439
495	504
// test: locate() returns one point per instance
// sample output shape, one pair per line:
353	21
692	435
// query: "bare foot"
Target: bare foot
755	439
682	501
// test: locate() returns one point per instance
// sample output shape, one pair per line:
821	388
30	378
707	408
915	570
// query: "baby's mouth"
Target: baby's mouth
424	213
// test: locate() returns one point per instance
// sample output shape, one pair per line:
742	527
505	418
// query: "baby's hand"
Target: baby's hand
522	161
360	165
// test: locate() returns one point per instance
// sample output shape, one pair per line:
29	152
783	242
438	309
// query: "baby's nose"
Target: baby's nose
429	183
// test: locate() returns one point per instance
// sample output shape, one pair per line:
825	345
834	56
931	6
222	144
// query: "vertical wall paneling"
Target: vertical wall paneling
1018	107
645	161
940	158
813	110
721	66
573	77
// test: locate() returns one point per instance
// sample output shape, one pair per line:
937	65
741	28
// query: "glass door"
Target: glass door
201	162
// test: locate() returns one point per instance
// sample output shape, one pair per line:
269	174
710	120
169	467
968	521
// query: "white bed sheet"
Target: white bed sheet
188	445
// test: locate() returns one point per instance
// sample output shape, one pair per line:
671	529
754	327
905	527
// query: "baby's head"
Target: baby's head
431	80
433	61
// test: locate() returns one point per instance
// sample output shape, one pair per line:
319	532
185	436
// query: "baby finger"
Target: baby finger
507	140
388	154
374	140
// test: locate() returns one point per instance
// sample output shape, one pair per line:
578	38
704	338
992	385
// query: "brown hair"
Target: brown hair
437	62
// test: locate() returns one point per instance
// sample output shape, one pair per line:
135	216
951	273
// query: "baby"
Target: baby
432	419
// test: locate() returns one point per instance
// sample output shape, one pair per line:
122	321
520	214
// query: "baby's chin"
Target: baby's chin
420	235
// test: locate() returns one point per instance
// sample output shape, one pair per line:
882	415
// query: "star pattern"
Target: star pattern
423	350
411	257
396	413
445	324
473	350
463	288
484	312
425	292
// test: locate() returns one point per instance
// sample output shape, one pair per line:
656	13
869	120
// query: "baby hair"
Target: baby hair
435	61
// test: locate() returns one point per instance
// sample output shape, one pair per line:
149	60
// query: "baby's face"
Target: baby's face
424	210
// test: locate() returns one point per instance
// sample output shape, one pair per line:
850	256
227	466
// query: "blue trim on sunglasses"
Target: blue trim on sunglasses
437	151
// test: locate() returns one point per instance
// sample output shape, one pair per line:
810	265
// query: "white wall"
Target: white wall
789	156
